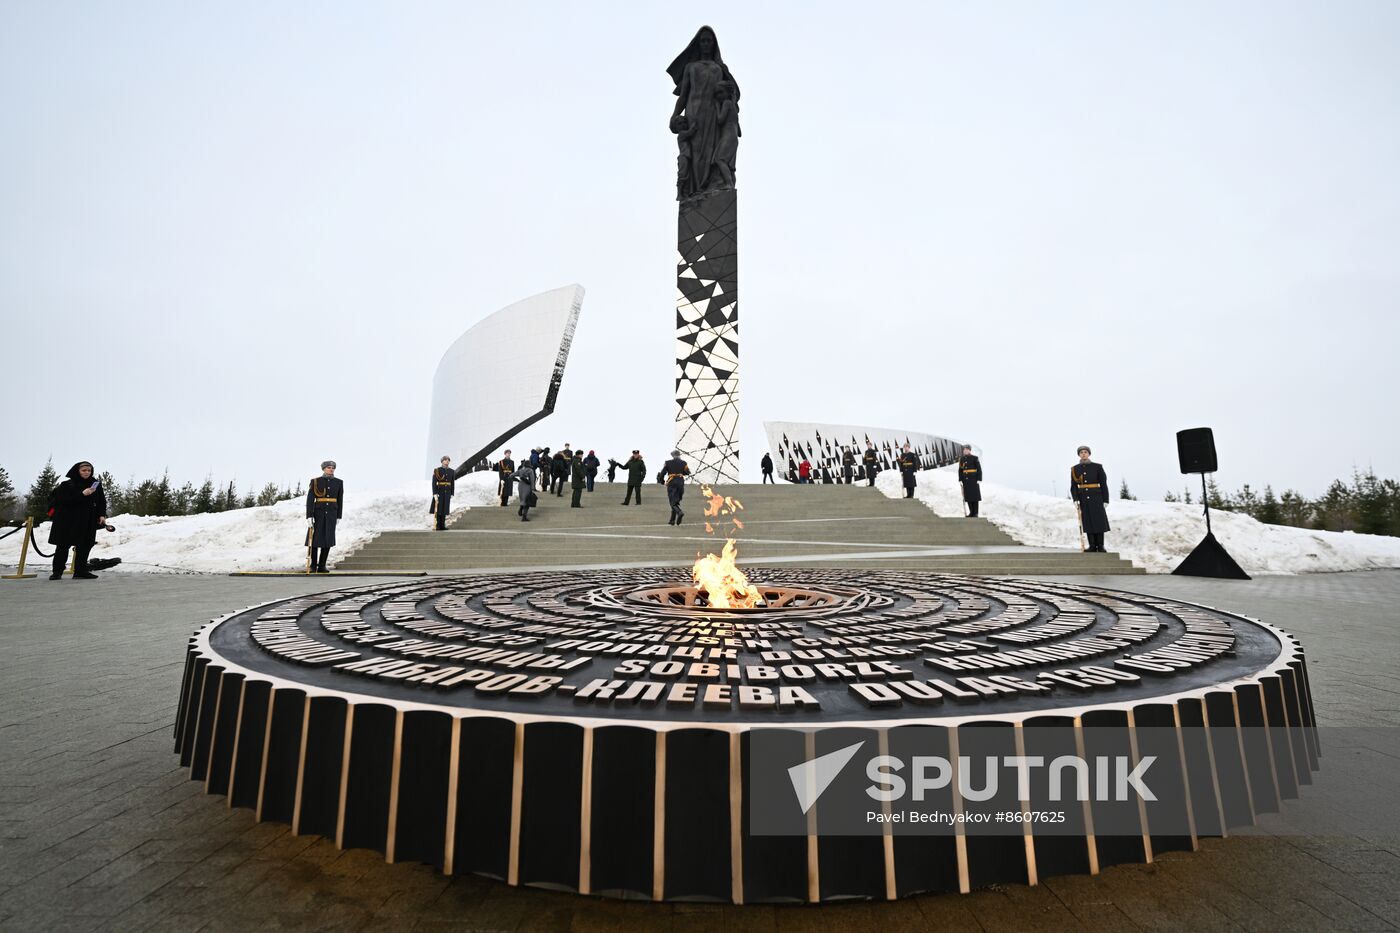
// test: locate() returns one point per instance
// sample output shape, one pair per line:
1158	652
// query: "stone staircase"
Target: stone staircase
817	526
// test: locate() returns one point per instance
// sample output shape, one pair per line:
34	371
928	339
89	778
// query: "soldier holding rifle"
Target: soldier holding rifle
1088	486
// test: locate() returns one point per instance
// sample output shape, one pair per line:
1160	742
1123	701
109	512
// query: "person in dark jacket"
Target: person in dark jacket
848	465
676	470
325	504
525	483
558	471
908	466
636	475
970	476
579	481
79	509
1088	486
506	469
543	469
871	461
444	485
590	468
766	465
613	467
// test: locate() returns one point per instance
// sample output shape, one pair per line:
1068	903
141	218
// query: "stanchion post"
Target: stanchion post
23	554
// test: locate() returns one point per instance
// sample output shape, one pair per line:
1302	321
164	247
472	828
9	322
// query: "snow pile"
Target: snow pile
265	538
1156	535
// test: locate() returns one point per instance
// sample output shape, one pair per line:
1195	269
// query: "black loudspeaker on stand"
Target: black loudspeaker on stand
1195	450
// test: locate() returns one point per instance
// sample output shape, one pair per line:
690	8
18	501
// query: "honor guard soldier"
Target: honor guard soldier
506	468
848	465
675	470
578	480
1088	486
636	475
325	503
970	476
444	485
871	461
908	466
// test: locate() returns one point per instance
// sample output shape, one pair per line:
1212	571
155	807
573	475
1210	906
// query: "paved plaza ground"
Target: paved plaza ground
101	829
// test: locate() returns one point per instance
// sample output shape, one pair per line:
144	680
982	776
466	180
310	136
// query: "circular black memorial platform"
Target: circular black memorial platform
598	731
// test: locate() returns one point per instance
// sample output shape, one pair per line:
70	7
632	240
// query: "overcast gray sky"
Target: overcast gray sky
235	238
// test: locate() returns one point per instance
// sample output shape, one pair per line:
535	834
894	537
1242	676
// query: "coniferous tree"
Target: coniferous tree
1123	492
229	499
8	500
269	494
116	497
1170	497
1333	511
1187	497
1246	501
1294	509
249	501
1369	506
36	505
204	498
182	501
1268	510
164	500
144	499
1214	498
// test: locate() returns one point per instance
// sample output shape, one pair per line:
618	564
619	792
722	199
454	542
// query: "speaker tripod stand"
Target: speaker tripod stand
1209	558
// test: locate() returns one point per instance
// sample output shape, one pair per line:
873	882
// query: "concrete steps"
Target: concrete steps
792	525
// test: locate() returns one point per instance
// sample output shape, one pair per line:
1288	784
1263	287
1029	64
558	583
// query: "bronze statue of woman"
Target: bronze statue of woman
703	85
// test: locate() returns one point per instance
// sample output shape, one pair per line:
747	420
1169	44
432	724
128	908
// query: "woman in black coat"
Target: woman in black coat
79	509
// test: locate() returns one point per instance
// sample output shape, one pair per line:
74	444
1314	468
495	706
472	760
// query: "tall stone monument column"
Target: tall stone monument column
706	124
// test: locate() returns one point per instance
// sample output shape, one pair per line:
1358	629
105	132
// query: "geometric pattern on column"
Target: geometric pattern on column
707	337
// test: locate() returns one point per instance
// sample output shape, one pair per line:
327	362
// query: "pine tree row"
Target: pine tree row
147	497
1368	504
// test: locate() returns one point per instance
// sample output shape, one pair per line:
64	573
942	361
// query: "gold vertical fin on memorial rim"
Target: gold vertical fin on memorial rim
344	775
392	831
1091	842
237	737
1185	776
658	829
1032	876
1214	773
1287	728
213	732
1297	715
301	765
585	833
184	721
1269	746
517	782
1244	762
191	736
959	831
1141	804
267	745
814	885
887	830
449	838
736	819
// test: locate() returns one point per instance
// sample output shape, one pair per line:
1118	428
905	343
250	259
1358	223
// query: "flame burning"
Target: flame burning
720	577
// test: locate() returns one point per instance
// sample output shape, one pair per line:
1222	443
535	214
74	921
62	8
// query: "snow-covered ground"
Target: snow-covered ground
266	538
1156	535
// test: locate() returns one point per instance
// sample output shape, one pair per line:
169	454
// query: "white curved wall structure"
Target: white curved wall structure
501	376
790	441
